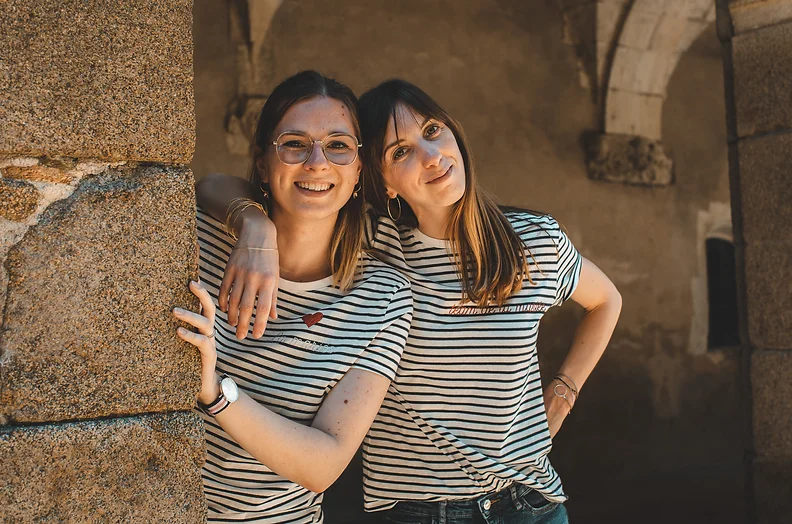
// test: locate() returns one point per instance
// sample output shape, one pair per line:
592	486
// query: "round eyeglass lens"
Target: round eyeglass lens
294	148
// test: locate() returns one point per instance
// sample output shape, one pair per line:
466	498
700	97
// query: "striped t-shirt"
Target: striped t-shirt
320	333
465	414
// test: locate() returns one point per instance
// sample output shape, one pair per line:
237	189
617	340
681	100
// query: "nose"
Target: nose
317	161
431	155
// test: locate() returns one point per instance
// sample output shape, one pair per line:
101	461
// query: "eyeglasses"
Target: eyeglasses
295	148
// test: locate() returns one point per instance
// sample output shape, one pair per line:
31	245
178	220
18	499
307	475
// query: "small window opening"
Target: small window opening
722	286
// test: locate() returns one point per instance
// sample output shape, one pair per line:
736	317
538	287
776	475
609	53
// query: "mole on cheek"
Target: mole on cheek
346	402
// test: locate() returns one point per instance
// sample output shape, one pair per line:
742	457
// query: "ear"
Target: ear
391	193
261	163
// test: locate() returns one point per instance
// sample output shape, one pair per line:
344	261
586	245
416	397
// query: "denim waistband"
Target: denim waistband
461	508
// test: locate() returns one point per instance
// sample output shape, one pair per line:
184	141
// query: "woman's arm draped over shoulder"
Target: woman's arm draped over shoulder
250	274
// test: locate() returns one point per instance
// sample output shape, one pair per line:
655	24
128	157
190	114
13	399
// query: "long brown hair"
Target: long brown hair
347	241
489	254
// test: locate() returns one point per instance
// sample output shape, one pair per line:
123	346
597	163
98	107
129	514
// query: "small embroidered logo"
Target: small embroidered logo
312	319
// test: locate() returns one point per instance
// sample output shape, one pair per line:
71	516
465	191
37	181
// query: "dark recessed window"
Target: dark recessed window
722	284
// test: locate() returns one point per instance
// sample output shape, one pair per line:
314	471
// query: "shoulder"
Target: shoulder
375	270
533	227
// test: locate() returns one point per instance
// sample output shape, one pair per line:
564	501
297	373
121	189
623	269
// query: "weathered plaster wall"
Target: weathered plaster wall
654	414
96	247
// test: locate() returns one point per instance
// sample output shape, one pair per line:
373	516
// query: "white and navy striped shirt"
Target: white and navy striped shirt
320	333
465	415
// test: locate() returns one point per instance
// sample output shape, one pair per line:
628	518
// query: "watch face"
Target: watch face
229	387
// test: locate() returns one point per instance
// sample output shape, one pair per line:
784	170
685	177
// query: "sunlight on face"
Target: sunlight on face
317	188
423	164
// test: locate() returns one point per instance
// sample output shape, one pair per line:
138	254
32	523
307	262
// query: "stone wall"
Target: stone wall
97	244
757	39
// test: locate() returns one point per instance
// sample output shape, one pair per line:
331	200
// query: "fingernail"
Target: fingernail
182	331
178	310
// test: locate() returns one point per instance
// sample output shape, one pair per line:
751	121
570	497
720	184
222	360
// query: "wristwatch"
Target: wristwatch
228	395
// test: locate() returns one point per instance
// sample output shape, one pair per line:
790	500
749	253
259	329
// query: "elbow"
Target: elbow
319	485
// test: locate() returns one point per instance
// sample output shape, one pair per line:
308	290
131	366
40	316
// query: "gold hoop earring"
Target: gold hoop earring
398	201
357	190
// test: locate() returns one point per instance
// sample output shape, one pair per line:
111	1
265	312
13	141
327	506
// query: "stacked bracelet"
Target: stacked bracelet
567	385
235	208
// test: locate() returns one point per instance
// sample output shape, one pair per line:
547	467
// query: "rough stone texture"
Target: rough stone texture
18	199
87	326
765	184
772	486
748	15
631	160
138	469
763	80
772	403
768	283
38	174
110	81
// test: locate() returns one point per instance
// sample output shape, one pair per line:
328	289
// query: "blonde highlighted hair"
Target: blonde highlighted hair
490	256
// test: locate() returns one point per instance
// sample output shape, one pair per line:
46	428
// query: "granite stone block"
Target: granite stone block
105	80
136	469
768	282
18	199
766	184
772	403
87	328
772	486
763	80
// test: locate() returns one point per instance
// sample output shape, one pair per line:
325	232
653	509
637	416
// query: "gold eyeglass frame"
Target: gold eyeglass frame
313	143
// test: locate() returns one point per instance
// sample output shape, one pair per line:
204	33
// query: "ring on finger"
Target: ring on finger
212	334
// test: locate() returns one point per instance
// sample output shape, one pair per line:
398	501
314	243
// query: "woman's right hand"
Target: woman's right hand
251	274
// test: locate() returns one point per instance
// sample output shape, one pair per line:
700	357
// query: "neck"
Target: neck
434	222
304	247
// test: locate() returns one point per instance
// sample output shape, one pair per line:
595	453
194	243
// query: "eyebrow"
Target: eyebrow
395	142
296	132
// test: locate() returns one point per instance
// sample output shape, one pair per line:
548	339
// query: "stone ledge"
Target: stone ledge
87	327
628	159
110	81
138	469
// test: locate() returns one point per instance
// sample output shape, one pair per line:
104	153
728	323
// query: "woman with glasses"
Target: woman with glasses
465	430
285	413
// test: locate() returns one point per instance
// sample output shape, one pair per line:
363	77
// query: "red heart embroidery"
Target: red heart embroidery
312	319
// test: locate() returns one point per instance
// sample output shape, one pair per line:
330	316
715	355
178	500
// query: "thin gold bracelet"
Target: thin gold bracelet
256	248
235	208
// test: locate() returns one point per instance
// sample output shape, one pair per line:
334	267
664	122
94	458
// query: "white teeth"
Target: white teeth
314	186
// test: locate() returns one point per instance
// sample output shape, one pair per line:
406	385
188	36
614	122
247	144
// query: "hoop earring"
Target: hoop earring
389	210
357	189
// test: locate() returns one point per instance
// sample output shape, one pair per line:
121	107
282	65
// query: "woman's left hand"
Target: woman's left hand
556	407
204	340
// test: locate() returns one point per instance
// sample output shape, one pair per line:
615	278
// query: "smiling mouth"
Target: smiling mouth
315	187
441	177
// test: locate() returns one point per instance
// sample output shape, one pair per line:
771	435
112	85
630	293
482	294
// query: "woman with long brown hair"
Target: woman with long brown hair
465	429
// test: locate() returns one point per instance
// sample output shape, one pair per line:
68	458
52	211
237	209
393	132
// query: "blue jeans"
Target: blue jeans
516	504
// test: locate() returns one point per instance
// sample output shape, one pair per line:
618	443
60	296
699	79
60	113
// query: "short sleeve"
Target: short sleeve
383	354
568	265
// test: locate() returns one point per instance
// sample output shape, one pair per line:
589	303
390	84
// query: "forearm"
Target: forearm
303	454
215	192
591	338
